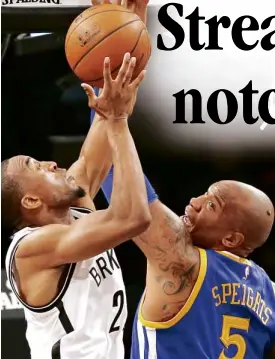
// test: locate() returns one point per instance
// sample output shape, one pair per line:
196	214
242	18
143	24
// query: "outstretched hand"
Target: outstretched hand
115	100
137	6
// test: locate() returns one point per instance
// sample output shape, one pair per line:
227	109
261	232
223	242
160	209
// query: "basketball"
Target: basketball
105	31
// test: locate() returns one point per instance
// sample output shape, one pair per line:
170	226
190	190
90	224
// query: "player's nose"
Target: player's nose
52	166
195	203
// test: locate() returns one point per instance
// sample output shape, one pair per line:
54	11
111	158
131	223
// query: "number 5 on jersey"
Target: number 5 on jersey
230	322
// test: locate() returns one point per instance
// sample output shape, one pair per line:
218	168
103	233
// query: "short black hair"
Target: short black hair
10	197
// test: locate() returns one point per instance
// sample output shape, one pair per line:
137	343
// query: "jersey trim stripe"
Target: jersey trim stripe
187	306
141	340
152	343
64	319
61	293
146	344
234	257
82	210
55	301
56	350
67	325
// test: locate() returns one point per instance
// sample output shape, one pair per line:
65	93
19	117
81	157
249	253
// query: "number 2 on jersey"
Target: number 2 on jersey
230	322
118	301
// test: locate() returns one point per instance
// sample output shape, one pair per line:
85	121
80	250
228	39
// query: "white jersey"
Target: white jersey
87	317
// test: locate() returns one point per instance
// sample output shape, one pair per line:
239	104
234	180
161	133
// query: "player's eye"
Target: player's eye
211	204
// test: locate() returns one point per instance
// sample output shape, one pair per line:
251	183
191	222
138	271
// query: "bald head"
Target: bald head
250	210
230	216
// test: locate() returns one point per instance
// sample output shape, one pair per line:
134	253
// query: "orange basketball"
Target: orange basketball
106	31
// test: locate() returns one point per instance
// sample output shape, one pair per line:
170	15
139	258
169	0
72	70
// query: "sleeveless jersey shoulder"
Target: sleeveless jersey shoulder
268	291
230	313
77	213
16	238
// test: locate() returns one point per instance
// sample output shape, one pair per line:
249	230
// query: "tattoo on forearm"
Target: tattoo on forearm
167	242
168	234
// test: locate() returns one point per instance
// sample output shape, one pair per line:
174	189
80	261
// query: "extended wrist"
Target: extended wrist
116	126
117	118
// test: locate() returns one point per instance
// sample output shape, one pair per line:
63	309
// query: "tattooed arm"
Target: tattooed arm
172	259
172	264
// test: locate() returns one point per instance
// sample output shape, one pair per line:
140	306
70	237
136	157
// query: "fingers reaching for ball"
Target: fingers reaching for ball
125	74
107	76
98	2
136	83
129	73
90	94
123	69
118	95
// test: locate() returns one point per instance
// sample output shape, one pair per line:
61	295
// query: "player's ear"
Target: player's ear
31	202
233	240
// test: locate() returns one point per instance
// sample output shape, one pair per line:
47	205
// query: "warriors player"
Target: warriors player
60	263
203	297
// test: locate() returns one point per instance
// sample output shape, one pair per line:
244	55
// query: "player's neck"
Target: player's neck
51	216
60	216
240	252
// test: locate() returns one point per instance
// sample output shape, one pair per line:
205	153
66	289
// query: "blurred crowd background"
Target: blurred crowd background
45	115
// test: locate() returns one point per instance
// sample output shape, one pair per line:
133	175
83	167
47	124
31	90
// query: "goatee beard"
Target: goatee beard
80	192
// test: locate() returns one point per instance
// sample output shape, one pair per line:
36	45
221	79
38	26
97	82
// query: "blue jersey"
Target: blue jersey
230	314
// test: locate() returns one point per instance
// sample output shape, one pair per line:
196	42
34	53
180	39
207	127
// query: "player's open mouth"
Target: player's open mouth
186	220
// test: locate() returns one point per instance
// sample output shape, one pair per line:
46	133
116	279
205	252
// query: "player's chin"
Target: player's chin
80	192
195	236
196	241
199	241
72	185
75	192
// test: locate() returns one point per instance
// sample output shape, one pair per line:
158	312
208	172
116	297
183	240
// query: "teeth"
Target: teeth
186	220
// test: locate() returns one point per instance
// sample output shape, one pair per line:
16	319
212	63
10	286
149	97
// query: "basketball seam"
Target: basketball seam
101	12
101	40
120	64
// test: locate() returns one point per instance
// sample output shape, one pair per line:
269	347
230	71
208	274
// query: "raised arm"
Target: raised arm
90	170
166	236
173	261
128	214
94	161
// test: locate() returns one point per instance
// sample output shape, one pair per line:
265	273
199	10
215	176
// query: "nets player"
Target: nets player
60	263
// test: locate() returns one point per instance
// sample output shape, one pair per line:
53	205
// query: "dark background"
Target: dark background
45	115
